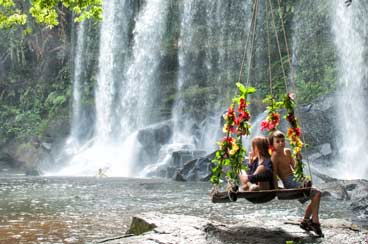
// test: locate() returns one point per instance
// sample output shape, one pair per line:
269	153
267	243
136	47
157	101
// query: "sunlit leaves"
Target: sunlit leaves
47	11
228	160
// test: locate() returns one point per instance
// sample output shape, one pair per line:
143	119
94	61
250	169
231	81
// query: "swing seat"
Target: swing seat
292	194
262	196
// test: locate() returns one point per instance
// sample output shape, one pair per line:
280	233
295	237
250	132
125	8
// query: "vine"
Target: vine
272	120
231	152
293	134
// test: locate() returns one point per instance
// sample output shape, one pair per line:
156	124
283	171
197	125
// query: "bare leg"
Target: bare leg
315	207
308	211
244	182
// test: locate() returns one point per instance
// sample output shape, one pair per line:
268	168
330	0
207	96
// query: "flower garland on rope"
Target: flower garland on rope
231	152
293	134
272	120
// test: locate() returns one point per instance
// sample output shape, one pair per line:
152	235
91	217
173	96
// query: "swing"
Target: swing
263	196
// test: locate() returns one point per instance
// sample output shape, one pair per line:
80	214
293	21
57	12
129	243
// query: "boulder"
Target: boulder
139	226
360	207
152	138
179	158
24	157
199	169
174	228
174	161
353	190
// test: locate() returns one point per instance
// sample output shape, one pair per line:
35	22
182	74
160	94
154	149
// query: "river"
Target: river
86	209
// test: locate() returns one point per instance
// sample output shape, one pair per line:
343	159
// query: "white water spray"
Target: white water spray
140	86
78	66
121	113
350	28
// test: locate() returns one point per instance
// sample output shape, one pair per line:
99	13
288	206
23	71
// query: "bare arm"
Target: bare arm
260	169
290	158
274	171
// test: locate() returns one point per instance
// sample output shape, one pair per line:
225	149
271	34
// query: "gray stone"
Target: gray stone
152	138
173	228
314	156
325	149
179	177
316	121
140	226
183	156
198	169
360	207
46	146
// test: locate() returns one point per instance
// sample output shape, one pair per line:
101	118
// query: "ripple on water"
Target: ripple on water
79	210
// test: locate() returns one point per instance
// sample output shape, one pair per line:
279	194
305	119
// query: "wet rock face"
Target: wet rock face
22	157
353	190
152	138
322	112
360	207
199	169
171	228
140	226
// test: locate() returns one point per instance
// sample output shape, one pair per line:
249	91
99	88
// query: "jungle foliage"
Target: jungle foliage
46	12
36	66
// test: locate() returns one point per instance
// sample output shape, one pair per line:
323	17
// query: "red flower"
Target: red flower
246	115
230	112
237	121
298	132
242	105
276	117
264	125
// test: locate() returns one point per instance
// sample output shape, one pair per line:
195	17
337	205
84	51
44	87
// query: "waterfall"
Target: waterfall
211	35
78	64
350	27
140	87
126	88
105	80
201	44
101	151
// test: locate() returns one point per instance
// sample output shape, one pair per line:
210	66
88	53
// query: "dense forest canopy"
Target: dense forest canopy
46	11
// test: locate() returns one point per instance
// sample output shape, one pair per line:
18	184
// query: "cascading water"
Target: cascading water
78	64
140	87
105	80
101	152
123	102
211	35
350	27
129	84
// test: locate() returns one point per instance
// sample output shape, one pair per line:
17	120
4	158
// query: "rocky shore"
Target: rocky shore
156	228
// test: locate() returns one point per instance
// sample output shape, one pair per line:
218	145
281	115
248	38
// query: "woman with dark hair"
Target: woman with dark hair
259	176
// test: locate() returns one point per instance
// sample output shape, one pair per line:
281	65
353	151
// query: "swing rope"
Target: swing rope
246	43
269	50
278	45
252	45
292	73
231	194
253	31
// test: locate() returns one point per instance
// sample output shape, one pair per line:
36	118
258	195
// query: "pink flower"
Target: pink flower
291	96
264	125
271	126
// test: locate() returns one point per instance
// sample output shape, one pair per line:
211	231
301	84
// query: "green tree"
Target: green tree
13	12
